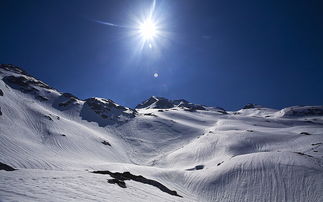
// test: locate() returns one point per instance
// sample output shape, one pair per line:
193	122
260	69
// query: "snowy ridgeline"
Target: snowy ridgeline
57	147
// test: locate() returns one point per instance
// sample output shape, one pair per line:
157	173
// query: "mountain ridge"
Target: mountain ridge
151	102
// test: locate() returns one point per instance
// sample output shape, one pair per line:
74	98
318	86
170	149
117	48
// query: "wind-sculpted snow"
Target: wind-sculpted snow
203	153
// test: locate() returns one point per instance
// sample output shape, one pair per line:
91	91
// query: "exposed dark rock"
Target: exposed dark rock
106	143
13	68
41	98
163	103
69	95
190	110
198	167
301	153
70	99
150	114
221	110
106	112
27	84
6	167
63	135
0	112
311	122
1	92
138	178
190	106
48	117
219	163
68	102
159	103
305	133
300	111
99	104
20	83
121	183
193	107
250	131
65	101
24	83
251	106
315	144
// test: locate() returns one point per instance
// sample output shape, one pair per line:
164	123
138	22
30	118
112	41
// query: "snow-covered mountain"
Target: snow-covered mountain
57	147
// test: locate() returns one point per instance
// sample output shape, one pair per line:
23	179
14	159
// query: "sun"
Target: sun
148	29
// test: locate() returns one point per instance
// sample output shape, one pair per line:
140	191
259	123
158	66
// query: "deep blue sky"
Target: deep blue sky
218	53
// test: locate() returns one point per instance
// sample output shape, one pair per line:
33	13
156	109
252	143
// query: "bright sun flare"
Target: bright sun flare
148	29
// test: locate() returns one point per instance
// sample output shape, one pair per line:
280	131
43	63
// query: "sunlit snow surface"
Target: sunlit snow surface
256	154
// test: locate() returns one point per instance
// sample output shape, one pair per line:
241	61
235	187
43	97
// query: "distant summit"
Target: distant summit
164	103
251	106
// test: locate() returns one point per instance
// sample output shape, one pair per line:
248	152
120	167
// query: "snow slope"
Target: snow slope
55	140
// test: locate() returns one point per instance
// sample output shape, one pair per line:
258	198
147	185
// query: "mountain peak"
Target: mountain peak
252	106
13	68
155	102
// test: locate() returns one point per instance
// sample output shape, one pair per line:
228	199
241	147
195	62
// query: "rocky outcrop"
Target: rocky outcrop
13	68
301	111
105	112
163	103
156	103
28	85
251	106
65	101
119	179
6	167
24	83
19	79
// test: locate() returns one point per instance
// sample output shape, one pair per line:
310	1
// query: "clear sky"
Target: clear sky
217	53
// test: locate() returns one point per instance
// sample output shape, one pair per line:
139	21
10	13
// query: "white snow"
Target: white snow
256	154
